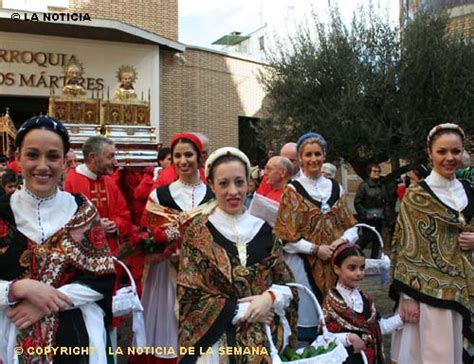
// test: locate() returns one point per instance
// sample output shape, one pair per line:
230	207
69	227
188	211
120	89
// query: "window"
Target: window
261	43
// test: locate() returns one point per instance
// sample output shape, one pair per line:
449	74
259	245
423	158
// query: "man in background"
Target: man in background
278	172
290	151
370	202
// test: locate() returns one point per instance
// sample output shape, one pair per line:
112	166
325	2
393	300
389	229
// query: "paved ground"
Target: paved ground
383	304
371	285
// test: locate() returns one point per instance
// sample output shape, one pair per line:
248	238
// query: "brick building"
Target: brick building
190	88
461	12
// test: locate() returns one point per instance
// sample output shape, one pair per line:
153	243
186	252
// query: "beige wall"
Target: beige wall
157	16
207	92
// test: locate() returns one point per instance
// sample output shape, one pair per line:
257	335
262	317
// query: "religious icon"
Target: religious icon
73	72
89	115
126	75
128	116
115	117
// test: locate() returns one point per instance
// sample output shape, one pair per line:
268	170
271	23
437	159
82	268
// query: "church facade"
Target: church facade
186	88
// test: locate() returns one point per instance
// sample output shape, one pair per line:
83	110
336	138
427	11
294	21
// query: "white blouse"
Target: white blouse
320	188
185	195
241	229
451	192
353	299
39	218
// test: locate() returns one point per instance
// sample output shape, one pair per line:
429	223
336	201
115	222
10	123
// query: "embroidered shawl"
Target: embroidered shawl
211	280
299	217
427	261
159	216
78	252
341	318
426	257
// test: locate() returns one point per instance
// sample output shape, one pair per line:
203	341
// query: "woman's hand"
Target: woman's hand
466	240
25	314
325	252
357	343
267	319
259	309
336	243
409	310
108	225
47	298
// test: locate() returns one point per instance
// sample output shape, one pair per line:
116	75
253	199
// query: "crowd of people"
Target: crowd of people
211	273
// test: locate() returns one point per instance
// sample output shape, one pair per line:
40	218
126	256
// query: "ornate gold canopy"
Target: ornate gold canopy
7	132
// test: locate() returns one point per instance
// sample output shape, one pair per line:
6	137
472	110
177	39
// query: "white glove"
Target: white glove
301	246
351	235
386	263
283	297
241	310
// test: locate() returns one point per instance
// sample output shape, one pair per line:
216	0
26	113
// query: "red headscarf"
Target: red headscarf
192	137
169	175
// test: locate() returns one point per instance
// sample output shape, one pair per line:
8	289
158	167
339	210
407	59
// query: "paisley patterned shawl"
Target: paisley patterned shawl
427	261
159	215
78	252
209	283
340	318
298	217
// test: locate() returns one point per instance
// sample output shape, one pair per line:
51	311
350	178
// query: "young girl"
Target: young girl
350	313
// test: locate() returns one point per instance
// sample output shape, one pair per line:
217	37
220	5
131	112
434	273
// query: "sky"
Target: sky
203	21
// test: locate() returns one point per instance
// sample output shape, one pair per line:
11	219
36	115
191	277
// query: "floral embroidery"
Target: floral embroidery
299	218
340	318
209	278
81	245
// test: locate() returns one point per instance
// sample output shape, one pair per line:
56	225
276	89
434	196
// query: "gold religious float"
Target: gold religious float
7	132
80	113
125	118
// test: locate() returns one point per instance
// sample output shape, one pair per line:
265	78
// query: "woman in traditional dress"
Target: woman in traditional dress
312	221
432	258
169	209
232	275
56	271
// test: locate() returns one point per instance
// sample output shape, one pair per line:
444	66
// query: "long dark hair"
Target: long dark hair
163	153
